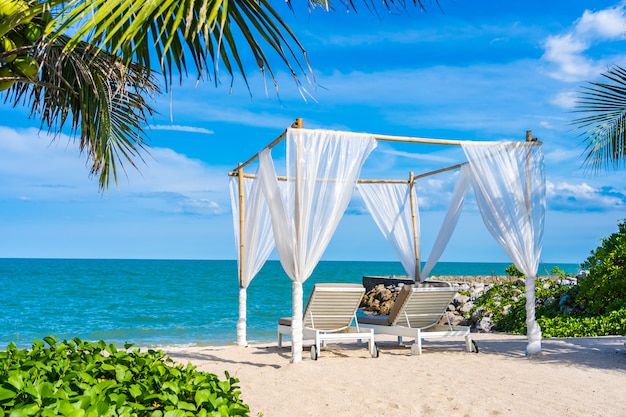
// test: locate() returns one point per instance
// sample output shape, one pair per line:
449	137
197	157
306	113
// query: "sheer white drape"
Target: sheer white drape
508	179
450	221
258	240
322	169
389	204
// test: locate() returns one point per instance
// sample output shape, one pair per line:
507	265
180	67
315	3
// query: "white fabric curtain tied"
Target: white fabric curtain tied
389	204
509	183
450	221
258	240
322	167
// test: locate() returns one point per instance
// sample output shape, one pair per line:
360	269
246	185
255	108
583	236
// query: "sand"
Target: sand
572	377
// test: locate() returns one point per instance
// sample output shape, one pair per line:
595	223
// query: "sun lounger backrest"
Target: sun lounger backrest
332	307
424	307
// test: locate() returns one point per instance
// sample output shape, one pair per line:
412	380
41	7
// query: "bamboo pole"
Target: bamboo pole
409	139
360	181
297	124
415	231
439	171
241	223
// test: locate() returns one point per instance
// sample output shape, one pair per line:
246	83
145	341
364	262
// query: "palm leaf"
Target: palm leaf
164	33
604	125
101	99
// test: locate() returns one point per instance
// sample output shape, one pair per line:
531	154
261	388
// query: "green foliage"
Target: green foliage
83	379
612	323
506	303
604	289
558	271
512	271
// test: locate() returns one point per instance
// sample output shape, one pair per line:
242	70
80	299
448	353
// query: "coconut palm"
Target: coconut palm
100	97
604	126
131	40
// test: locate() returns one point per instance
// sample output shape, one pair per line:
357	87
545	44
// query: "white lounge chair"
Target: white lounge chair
416	313
329	315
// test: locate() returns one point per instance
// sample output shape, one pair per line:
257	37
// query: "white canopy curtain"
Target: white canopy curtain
258	240
450	221
322	169
509	183
389	204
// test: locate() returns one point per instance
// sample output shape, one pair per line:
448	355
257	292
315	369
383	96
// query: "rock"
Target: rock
455	320
467	307
460	299
477	314
484	325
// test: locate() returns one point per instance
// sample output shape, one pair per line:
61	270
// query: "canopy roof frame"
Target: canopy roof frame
298	123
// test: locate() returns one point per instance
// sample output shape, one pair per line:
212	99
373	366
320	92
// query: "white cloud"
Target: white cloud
583	197
34	169
565	99
179	128
567	54
604	24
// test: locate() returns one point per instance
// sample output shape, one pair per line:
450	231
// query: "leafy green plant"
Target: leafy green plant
82	379
596	306
612	323
604	289
512	271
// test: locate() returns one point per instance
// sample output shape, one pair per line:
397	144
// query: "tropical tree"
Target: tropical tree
100	75
604	124
98	95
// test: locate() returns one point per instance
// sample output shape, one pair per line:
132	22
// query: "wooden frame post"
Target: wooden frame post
242	208
415	231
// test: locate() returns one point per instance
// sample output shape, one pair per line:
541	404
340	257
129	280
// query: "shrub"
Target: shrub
505	303
604	289
612	323
83	379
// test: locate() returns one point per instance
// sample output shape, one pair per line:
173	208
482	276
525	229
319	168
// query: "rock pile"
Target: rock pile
461	311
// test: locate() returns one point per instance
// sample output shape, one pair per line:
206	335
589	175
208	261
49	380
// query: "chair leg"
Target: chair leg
280	339
418	340
318	345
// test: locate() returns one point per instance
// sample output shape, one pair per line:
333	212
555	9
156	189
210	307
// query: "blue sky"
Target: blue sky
477	70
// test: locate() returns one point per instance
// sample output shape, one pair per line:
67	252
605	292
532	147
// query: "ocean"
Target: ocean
167	302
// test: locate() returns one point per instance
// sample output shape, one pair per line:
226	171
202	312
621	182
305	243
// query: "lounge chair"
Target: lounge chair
417	313
329	315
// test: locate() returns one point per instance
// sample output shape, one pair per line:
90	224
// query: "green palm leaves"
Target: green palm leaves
173	35
97	80
605	124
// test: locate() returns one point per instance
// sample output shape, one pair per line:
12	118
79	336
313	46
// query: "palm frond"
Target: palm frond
101	99
163	34
604	124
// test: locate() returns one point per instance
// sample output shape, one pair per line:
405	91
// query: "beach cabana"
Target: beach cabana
323	167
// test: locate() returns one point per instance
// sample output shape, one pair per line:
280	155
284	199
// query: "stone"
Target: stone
460	299
484	325
467	307
477	314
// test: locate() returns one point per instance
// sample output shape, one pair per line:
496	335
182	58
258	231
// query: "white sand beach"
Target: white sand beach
572	377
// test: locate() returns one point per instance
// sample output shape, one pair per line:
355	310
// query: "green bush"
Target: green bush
612	323
83	379
506	303
604	289
596	306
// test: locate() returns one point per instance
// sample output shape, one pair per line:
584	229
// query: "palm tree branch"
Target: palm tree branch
603	125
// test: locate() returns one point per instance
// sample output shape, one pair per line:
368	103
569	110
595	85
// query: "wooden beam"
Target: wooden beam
297	124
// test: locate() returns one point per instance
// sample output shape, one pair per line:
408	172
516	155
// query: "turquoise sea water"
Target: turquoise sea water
166	302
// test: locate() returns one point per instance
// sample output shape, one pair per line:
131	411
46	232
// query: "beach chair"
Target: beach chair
329	316
417	313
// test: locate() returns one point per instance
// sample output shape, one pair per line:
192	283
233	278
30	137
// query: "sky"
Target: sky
466	69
